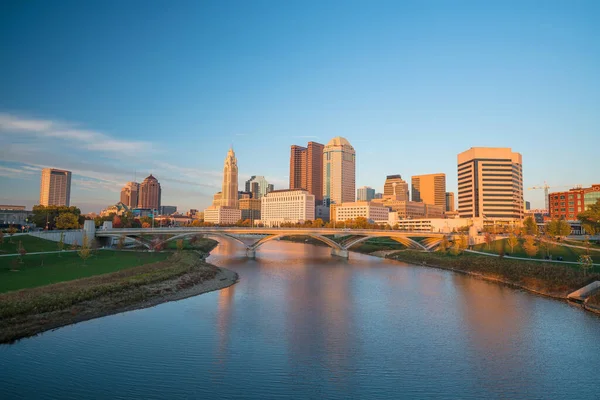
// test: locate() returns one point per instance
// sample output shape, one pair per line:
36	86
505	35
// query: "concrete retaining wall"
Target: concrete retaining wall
70	237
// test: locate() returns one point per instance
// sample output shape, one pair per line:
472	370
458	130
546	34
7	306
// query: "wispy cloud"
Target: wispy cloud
14	172
91	140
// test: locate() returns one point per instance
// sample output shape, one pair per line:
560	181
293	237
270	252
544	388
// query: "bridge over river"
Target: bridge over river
418	240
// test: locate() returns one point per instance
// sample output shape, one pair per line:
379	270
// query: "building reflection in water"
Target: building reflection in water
495	325
224	315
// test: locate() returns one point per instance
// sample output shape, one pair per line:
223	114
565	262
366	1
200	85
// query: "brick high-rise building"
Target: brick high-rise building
150	193
55	187
430	189
490	183
306	169
130	194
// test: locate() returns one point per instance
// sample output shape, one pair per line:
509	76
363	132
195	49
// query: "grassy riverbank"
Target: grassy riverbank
30	311
555	250
31	244
45	269
550	279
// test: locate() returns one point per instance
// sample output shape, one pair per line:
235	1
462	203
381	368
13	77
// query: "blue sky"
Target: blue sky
108	89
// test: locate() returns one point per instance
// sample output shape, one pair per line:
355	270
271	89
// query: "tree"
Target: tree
530	226
512	240
46	215
85	252
585	262
586	244
500	248
564	228
530	247
145	225
61	243
157	244
22	252
117	223
489	239
1	237
463	242
456	248
67	220
180	245
121	242
590	218
318	223
544	247
11	231
558	227
444	244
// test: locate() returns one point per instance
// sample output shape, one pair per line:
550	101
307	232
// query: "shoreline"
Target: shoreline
478	275
201	278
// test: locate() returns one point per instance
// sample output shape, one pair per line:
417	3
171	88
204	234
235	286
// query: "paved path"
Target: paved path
571	245
525	259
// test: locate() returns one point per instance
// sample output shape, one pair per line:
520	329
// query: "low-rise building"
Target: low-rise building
287	206
117	209
14	215
568	205
167	210
412	209
250	208
365	209
222	215
436	225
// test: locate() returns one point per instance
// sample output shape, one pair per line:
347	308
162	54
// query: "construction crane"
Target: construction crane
546	187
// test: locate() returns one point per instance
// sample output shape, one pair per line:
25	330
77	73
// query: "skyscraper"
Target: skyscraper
55	187
449	201
149	193
306	169
429	189
258	186
339	171
395	188
490	183
229	197
365	193
129	194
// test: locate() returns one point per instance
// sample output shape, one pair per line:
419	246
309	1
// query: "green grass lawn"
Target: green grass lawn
31	244
567	253
68	267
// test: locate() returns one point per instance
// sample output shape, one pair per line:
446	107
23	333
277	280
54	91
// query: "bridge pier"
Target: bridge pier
339	252
250	253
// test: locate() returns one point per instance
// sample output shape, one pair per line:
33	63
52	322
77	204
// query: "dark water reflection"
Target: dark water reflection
301	324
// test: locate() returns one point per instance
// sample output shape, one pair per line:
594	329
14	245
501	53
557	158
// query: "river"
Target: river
303	324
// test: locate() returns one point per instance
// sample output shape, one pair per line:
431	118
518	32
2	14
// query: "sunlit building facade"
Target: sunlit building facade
429	189
293	206
490	184
55	187
339	172
130	194
150	193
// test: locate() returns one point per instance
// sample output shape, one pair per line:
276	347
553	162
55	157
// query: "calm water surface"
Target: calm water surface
301	324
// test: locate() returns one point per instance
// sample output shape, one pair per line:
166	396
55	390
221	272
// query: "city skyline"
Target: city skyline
523	80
